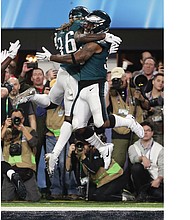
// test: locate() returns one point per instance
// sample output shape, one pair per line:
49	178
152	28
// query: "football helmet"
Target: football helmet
78	12
100	20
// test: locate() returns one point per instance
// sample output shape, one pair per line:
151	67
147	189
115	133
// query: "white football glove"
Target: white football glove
4	55
114	48
13	49
43	56
110	38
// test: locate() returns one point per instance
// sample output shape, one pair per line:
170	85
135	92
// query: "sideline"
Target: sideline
46	209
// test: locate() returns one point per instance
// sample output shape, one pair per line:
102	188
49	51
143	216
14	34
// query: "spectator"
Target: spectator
37	79
144	55
6	58
147	158
7	105
160	67
49	76
19	146
103	186
149	70
155	114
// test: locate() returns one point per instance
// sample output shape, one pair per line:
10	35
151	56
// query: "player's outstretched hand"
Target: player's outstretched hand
13	49
43	56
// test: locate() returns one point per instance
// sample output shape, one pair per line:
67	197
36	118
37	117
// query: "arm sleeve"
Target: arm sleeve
34	140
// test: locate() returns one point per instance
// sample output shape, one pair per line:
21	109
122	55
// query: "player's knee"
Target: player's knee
98	123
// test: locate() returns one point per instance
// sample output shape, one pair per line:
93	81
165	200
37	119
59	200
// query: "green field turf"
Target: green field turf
85	204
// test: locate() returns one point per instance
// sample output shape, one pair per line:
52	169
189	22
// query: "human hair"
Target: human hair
147	123
18	110
158	74
152	58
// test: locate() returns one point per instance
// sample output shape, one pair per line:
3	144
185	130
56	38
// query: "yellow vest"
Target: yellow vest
118	103
105	176
27	157
55	119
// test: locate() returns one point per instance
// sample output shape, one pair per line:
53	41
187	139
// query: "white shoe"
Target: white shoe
135	126
24	96
51	161
106	152
127	196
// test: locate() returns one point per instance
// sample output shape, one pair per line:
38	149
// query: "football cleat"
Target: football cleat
19	185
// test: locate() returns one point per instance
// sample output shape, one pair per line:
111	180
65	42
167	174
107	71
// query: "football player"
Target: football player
90	98
68	40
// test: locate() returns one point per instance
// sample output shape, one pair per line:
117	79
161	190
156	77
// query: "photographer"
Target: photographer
19	150
155	114
103	185
124	100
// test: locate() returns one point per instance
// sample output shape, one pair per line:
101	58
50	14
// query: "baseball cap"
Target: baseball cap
117	72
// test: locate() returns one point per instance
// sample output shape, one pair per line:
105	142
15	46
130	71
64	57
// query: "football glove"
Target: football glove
4	55
43	56
110	38
114	48
13	49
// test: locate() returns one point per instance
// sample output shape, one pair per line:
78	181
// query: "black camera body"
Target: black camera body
79	146
33	65
156	102
8	86
16	121
15	149
116	83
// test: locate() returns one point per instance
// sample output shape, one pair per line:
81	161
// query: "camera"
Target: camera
156	102
84	181
79	146
16	121
15	149
8	86
138	81
116	83
33	65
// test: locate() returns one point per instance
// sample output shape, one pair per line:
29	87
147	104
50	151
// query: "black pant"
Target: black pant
142	182
109	192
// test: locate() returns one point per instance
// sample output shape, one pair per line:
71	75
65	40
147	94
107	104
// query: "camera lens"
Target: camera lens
16	120
79	146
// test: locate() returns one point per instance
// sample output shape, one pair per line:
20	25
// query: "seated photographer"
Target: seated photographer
14	177
98	183
19	146
147	171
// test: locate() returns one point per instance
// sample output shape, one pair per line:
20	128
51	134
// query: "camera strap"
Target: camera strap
8	100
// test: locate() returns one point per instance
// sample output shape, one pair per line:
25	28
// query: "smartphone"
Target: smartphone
33	65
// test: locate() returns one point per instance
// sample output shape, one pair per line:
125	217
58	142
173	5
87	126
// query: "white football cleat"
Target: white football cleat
135	126
106	152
